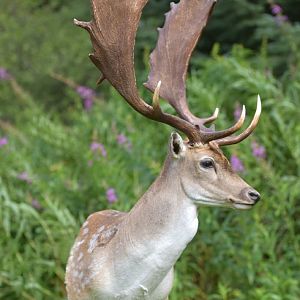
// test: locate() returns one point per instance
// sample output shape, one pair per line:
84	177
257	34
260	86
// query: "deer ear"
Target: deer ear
176	145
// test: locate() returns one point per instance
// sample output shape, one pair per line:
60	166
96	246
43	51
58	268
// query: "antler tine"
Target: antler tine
155	100
236	139
212	118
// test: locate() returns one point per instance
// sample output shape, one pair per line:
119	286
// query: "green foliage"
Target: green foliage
33	45
51	179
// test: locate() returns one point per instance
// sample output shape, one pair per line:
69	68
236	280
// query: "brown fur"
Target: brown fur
90	238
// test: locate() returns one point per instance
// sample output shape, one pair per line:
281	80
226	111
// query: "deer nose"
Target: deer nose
253	195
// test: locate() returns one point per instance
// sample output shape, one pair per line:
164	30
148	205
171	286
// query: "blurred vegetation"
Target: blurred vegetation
51	177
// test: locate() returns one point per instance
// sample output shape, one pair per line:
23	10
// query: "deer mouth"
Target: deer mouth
240	205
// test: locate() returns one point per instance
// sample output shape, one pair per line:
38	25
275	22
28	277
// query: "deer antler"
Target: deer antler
113	30
169	60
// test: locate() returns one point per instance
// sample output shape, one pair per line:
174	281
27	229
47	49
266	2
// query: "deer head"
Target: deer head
206	175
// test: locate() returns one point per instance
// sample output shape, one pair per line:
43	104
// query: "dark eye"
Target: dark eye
207	163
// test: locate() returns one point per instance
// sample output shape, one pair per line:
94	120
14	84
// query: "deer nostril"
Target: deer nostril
253	195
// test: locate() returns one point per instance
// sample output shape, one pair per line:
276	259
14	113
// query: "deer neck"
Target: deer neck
163	222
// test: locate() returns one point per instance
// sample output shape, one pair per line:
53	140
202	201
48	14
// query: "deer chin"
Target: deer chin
242	206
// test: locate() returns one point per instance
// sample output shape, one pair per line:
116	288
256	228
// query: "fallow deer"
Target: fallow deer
119	255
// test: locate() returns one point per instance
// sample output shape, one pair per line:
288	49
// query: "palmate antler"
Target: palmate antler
113	30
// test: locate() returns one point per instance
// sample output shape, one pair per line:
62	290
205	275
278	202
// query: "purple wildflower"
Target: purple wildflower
87	96
3	141
88	103
85	92
237	112
98	147
258	151
276	9
111	195
36	205
24	177
4	74
236	164
122	139
94	146
103	151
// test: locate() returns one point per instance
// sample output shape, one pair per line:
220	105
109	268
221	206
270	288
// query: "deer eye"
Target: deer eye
207	163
